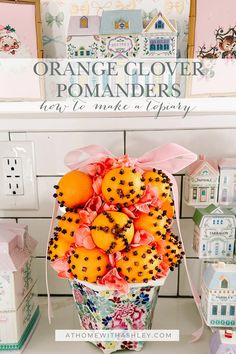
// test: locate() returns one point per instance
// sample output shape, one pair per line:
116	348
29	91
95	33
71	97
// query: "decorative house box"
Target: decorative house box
121	34
201	182
223	343
218	292
18	308
17	326
227	190
214	232
16	265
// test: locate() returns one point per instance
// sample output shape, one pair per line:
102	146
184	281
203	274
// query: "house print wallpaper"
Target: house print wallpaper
56	15
121	34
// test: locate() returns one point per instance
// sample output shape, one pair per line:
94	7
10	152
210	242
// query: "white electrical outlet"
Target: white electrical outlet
17	176
13	176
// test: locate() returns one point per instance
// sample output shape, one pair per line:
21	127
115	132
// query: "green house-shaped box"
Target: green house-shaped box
214	232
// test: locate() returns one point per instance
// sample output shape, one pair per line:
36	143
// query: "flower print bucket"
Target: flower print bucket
101	308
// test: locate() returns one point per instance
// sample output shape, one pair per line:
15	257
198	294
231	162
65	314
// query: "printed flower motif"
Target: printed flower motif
91	305
128	313
128	345
116	300
142	237
114	281
111	345
142	299
78	296
83	237
106	320
88	322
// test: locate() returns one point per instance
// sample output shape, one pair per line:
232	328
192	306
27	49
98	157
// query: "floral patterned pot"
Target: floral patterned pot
100	308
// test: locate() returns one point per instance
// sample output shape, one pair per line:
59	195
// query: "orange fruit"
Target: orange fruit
57	248
112	231
67	225
160	181
155	222
74	189
140	264
173	251
168	206
123	186
88	265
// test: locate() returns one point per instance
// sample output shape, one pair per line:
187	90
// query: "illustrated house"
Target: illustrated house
214	232
82	36
160	37
120	33
218	295
201	182
227	189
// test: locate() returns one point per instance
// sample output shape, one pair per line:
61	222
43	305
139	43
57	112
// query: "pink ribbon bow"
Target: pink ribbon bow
170	158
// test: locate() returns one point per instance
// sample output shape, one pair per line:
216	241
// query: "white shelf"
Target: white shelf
169	314
209	113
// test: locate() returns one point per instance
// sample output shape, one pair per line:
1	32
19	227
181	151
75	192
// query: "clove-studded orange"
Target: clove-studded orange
112	231
123	186
74	189
168	206
156	222
173	251
88	265
140	264
160	181
67	225
57	248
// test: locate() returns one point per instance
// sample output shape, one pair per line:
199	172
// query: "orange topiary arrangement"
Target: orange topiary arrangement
117	220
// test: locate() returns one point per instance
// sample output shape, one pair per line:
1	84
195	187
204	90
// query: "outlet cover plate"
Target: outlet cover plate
24	153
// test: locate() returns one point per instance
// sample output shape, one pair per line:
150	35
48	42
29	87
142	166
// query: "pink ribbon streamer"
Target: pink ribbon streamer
170	158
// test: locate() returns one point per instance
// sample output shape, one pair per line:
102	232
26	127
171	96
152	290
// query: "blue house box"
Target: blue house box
218	298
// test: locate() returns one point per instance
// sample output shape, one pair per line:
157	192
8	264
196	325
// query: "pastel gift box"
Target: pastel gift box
214	232
16	265
227	189
223	344
16	327
18	307
201	182
218	292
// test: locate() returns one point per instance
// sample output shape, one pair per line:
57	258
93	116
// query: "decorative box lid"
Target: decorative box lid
212	209
197	166
228	163
84	26
215	273
118	22
16	246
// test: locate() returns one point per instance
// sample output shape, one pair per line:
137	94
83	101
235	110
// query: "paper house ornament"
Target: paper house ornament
18	307
223	343
214	232
121	34
201	182
218	295
227	189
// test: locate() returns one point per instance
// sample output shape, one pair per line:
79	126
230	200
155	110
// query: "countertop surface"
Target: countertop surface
170	313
